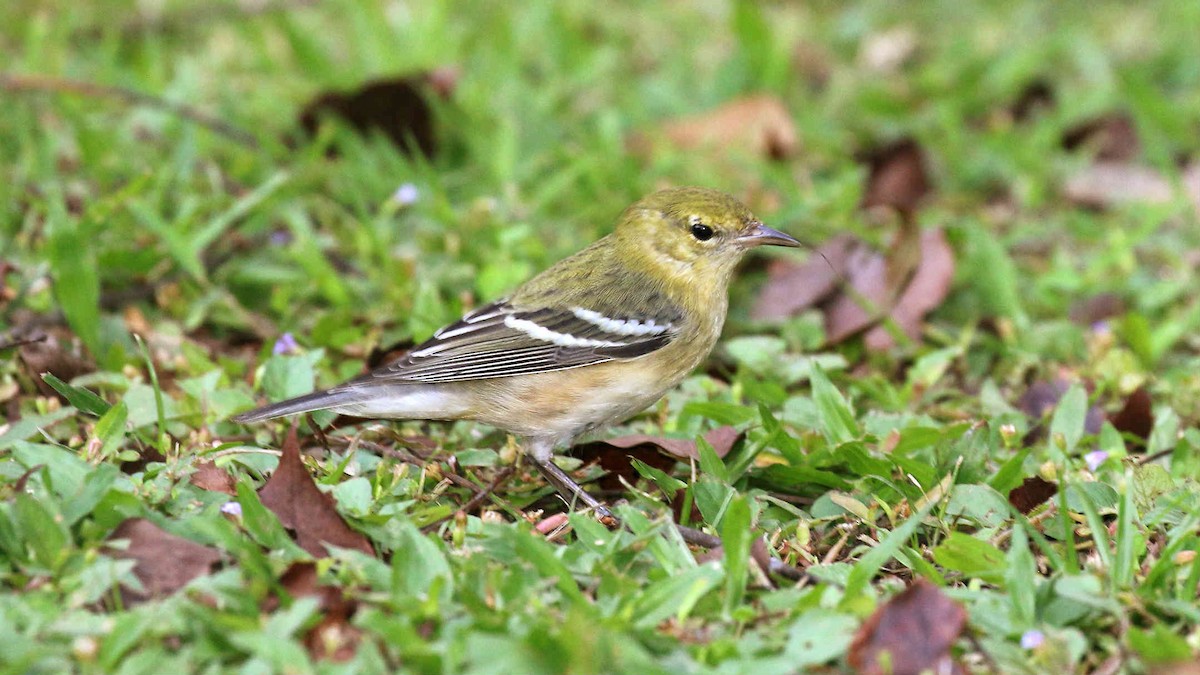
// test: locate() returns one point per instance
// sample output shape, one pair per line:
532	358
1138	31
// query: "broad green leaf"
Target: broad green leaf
675	596
81	398
40	530
1069	417
736	537
837	420
76	277
1020	578
973	557
111	429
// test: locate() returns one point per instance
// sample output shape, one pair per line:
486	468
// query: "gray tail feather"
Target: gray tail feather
318	400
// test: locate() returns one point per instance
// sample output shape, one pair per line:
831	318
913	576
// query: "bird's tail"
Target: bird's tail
318	400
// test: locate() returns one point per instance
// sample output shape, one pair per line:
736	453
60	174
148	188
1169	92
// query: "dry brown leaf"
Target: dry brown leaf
613	455
209	476
758	124
303	509
1042	396
1031	493
1135	418
49	352
897	176
396	107
915	629
1097	308
864	301
1108	183
928	287
792	287
912	281
164	562
333	638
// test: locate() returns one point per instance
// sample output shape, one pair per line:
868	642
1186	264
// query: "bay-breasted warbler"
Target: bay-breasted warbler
594	339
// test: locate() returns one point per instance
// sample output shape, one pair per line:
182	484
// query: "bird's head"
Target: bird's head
693	233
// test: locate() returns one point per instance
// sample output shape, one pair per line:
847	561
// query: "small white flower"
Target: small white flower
1094	459
232	509
1032	639
406	195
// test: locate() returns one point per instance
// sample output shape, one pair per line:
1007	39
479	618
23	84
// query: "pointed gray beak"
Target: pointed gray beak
761	235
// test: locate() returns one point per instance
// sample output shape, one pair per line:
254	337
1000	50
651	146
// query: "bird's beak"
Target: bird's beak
761	235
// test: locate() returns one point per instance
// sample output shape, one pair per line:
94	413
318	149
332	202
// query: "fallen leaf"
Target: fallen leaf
304	509
758	124
1111	137
1135	418
613	455
397	107
915	629
897	176
164	562
209	476
1109	183
865	299
793	287
333	638
1041	398
48	352
1031	493
928	287
856	286
1097	308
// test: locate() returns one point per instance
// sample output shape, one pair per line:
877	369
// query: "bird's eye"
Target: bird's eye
701	231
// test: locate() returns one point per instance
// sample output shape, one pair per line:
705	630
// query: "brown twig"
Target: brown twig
705	540
481	495
16	82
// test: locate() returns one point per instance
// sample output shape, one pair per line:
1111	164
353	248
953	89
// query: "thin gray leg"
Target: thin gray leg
571	491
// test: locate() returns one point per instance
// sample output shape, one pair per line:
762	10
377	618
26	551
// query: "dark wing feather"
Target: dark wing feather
498	340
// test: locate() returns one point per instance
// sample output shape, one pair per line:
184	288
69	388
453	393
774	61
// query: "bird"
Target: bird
591	341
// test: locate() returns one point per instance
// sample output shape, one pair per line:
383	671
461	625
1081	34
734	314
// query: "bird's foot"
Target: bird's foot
573	492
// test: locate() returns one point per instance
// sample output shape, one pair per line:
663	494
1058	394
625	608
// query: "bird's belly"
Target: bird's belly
564	404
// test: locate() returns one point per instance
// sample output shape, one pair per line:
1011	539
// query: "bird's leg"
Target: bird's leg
540	453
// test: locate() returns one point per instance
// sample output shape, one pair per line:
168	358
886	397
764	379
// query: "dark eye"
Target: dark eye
701	231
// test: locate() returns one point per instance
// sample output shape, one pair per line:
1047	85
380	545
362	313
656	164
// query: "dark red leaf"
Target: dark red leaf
397	107
303	509
1136	418
915	629
165	562
1043	396
897	176
929	286
793	287
333	638
613	455
1031	493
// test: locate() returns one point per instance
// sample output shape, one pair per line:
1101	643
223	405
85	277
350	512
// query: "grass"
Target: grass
869	471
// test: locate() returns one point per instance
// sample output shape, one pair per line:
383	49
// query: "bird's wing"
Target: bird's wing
499	340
